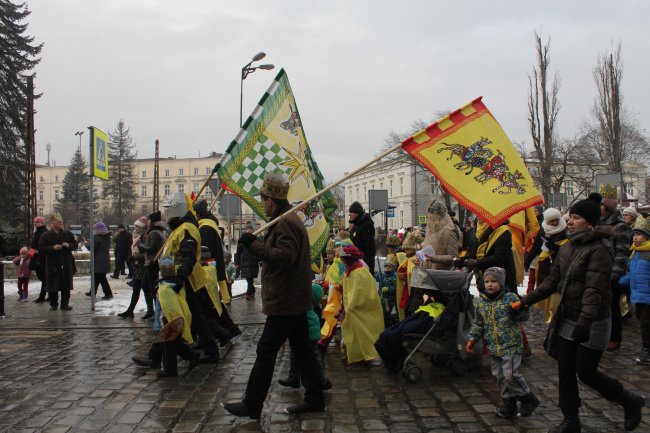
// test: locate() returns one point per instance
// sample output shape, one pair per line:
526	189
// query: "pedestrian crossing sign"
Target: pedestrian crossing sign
100	153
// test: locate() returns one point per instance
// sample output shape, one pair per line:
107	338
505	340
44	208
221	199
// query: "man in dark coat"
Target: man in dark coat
38	261
362	233
247	265
122	252
286	298
57	246
154	241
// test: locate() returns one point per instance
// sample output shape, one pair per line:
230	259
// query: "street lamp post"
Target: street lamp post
245	71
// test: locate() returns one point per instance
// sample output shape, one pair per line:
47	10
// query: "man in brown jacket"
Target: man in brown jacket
286	298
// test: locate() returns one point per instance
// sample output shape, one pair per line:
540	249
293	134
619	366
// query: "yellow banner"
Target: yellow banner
100	154
475	162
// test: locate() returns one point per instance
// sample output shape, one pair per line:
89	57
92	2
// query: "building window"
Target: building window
181	187
629	190
40	195
196	171
144	173
180	172
40	211
401	186
143	191
568	188
401	218
195	187
365	193
166	189
42	179
56	193
381	184
166	172
56	178
390	189
208	170
357	194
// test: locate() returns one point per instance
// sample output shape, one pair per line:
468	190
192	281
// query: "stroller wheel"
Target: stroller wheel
459	367
440	359
413	374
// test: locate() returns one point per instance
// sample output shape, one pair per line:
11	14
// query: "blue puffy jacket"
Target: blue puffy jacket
638	277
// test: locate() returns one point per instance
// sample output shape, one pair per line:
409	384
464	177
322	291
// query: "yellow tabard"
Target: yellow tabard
172	248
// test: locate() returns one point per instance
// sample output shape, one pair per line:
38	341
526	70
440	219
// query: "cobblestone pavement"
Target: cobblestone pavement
72	372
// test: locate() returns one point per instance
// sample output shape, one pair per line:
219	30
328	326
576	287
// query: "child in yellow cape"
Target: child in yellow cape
333	278
404	271
364	319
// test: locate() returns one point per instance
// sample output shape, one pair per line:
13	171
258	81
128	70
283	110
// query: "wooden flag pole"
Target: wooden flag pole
216	199
328	188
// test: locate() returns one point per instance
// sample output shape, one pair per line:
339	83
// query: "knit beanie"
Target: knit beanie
201	207
39	220
24	250
141	222
499	274
100	227
630	211
356	207
588	208
642	226
610	205
155	216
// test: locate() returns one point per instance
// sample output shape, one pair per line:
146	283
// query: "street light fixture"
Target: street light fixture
79	133
247	70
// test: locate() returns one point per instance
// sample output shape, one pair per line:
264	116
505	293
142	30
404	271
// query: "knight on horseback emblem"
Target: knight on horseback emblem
479	156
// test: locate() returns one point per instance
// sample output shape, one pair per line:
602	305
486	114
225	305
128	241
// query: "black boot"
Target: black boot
632	404
508	409
529	403
292	381
128	314
571	424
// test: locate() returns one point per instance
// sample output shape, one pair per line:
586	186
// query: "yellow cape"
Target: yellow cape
333	278
174	305
212	286
364	318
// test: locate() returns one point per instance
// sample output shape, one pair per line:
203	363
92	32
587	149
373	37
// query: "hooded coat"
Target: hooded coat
362	234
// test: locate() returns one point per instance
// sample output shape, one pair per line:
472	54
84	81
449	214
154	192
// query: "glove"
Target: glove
177	284
384	290
247	239
470	346
518	305
580	334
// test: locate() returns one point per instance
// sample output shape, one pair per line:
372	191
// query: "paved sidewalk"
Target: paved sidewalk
72	372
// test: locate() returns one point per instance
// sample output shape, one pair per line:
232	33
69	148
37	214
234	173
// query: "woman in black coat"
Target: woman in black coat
101	247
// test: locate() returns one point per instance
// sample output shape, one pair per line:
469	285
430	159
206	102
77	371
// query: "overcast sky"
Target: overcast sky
358	69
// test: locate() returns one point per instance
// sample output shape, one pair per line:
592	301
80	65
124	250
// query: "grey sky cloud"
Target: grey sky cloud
358	69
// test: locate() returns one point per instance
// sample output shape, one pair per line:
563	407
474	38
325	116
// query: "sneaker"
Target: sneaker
508	409
529	403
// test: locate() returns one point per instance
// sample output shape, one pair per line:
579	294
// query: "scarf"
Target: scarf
644	246
553	230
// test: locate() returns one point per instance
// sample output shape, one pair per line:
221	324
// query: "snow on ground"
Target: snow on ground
121	294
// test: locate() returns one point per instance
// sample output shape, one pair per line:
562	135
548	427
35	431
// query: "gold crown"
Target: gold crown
275	185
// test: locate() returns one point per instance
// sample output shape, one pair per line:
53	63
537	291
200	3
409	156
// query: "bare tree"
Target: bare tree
614	133
543	108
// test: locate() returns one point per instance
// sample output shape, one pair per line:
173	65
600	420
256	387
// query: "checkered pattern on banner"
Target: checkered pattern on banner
264	158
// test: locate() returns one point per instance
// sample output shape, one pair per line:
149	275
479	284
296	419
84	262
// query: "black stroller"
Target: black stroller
445	340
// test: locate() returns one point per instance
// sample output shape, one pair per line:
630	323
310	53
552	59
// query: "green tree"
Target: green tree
18	57
121	157
74	205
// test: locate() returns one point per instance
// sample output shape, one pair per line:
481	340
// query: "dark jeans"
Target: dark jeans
121	264
574	362
167	353
250	290
106	288
617	318
389	344
643	314
277	330
59	286
150	282
200	325
135	295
